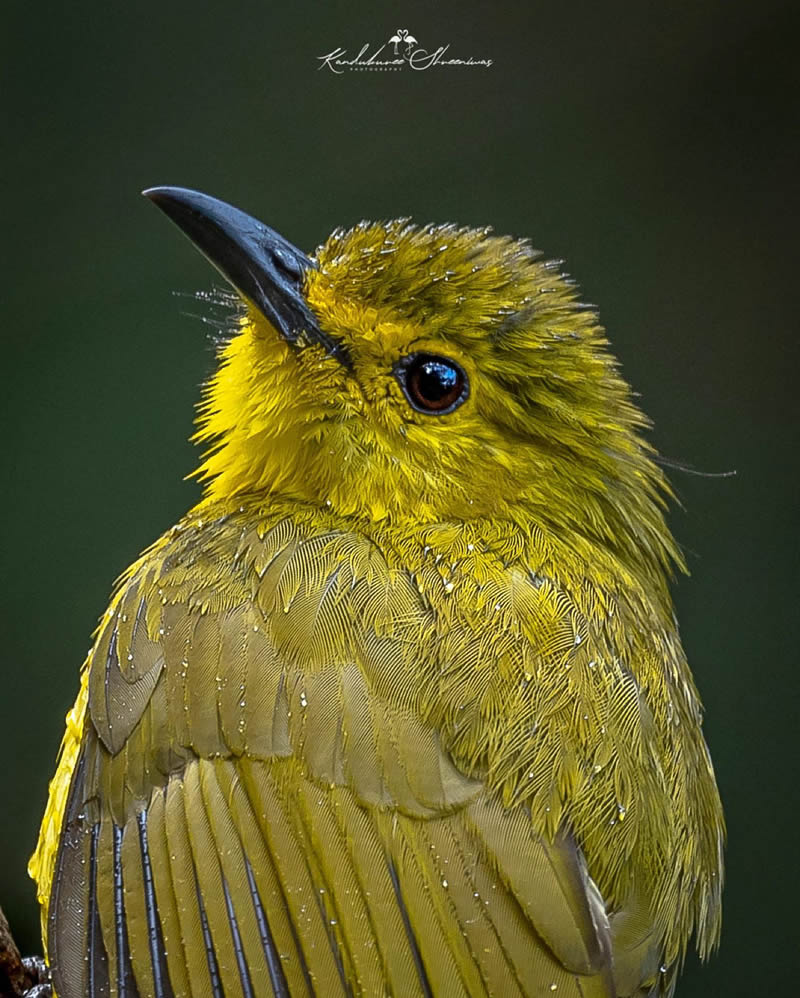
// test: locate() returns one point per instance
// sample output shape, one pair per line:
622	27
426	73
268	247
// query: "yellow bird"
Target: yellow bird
400	707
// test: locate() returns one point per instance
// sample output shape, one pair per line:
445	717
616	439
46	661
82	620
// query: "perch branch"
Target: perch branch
28	978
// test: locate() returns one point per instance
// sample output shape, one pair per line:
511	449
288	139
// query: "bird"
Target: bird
400	707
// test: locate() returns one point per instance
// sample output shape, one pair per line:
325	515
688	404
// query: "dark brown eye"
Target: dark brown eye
431	383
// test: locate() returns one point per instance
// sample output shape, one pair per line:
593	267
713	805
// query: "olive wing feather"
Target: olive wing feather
260	807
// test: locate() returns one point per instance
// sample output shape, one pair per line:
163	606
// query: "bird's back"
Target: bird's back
316	760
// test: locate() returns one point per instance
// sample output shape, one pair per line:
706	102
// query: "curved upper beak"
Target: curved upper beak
262	266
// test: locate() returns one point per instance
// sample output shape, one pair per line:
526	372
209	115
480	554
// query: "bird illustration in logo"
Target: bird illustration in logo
402	37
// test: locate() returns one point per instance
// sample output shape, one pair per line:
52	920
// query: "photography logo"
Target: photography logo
401	52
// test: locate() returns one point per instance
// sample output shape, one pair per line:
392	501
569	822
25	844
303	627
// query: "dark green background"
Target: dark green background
651	145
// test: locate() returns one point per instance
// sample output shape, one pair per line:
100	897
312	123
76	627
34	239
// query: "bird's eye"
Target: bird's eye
431	383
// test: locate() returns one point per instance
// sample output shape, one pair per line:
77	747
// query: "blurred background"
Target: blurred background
651	145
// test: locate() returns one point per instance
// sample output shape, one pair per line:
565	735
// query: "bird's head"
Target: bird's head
428	373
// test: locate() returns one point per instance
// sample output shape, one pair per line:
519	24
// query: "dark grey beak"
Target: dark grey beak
262	266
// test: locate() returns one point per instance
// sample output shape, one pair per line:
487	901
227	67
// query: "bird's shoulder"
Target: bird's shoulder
410	662
270	634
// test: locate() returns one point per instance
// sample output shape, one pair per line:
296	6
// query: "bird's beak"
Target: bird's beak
263	266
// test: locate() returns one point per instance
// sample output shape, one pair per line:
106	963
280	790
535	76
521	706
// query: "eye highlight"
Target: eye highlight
432	384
